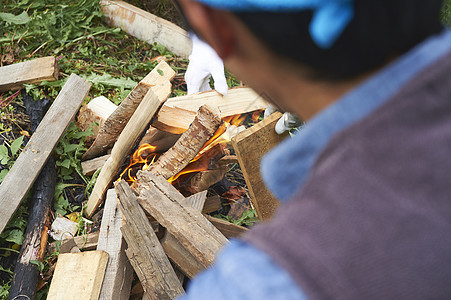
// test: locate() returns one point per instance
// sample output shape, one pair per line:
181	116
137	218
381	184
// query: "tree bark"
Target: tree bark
188	145
33	248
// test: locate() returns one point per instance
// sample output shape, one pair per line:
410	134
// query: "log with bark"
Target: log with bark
116	122
188	145
33	248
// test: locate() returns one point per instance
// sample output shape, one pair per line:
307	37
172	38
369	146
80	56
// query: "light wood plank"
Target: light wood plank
237	101
78	276
146	26
117	283
250	146
198	200
90	166
13	77
35	154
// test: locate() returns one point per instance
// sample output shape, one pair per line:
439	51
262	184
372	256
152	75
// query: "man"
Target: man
365	186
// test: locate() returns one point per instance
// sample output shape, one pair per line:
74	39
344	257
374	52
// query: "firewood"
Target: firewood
89	167
78	276
85	242
116	122
146	26
204	179
96	111
127	139
188	145
34	156
173	119
197	200
238	100
195	233
144	250
228	229
13	77
250	146
159	139
212	204
183	259
118	278
34	245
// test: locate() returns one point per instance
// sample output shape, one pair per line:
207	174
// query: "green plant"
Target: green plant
248	218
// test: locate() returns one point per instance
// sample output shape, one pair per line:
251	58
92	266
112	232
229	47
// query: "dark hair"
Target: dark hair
379	31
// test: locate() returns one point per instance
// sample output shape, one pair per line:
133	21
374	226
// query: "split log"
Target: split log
89	167
36	153
13	77
183	259
159	139
237	101
204	179
173	119
118	278
196	234
78	276
189	144
137	124
212	204
84	242
144	250
250	146
146	26
228	229
96	111
33	248
116	122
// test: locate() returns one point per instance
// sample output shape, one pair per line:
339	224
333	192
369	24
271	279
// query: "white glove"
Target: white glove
287	122
204	63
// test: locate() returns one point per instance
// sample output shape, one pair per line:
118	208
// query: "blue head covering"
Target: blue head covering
330	17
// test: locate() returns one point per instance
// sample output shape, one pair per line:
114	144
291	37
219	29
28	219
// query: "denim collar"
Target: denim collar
286	168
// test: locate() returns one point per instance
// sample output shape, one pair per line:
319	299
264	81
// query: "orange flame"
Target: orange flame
146	155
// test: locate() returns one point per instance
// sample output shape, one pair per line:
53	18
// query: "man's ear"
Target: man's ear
213	26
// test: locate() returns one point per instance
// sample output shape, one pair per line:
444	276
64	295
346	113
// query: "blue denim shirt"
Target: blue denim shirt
241	271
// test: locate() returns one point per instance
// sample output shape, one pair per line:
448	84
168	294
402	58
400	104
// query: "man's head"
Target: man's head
311	40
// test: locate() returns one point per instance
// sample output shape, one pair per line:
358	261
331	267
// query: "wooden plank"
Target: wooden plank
237	101
78	276
35	154
137	124
196	234
146	26
250	146
13	77
228	229
117	283
90	166
144	250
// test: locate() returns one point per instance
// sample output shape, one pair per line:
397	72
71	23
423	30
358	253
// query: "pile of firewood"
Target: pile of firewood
154	215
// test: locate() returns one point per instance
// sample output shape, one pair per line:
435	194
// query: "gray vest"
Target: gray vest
373	220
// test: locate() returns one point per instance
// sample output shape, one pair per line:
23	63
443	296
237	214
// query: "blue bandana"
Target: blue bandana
330	17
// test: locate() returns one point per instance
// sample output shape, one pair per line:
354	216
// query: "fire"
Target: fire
145	155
